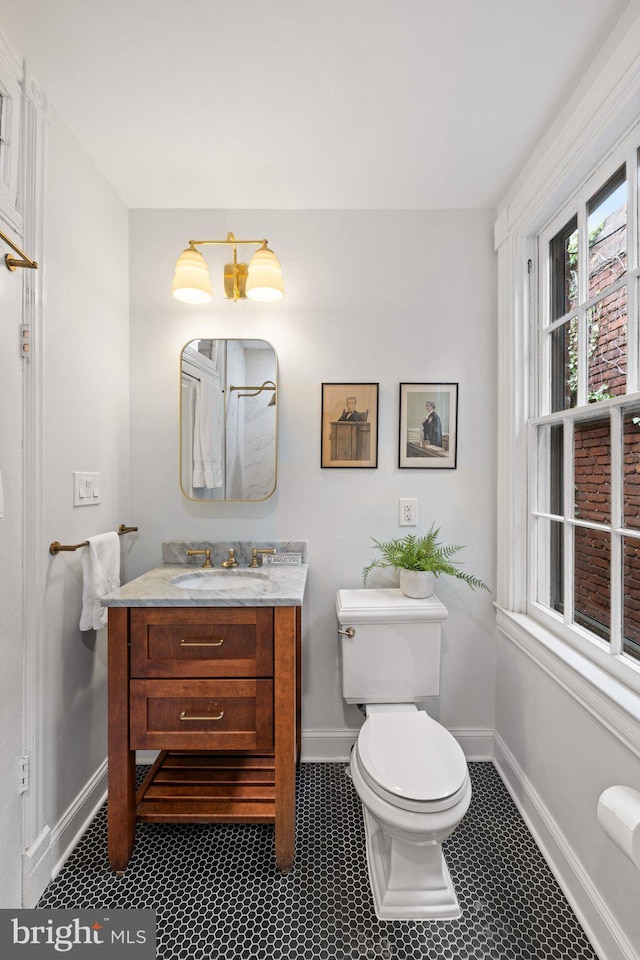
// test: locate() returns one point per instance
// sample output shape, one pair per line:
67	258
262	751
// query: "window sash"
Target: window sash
539	565
611	651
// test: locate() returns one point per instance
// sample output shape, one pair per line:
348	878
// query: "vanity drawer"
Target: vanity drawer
202	642
201	714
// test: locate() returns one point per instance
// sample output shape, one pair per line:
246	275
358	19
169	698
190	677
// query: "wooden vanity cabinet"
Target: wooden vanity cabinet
217	691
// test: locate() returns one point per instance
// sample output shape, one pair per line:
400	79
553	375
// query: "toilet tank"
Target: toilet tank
394	653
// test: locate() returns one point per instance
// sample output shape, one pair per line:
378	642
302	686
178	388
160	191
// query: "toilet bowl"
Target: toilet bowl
413	783
409	772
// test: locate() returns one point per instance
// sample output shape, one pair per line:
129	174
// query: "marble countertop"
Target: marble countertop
269	586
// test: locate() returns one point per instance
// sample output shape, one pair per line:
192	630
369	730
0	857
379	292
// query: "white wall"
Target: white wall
558	756
86	323
370	296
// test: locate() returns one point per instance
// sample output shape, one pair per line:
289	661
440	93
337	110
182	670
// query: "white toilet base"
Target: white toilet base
409	881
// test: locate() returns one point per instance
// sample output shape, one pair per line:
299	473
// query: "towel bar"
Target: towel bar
56	547
11	262
266	385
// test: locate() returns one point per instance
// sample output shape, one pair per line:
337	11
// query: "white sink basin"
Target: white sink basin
236	580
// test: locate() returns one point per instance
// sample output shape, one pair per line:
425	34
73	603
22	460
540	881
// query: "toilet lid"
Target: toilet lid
411	756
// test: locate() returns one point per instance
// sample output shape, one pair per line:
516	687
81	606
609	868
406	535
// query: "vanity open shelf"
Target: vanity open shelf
208	788
212	683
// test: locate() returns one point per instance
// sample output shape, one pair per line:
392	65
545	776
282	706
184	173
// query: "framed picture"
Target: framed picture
428	438
349	427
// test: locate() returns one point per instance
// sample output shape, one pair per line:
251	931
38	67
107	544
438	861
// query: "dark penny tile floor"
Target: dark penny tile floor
218	893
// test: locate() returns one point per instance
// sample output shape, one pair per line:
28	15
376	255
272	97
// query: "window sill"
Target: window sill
607	698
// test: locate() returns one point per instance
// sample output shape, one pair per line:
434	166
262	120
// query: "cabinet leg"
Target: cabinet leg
285	849
121	811
285	637
121	805
298	683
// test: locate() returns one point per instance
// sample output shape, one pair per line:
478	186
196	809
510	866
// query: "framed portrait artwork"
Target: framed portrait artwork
428	437
349	426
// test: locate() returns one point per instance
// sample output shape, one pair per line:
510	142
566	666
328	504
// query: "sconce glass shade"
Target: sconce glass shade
264	282
191	282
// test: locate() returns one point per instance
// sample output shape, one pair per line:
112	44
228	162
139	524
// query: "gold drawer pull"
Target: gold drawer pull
203	643
211	716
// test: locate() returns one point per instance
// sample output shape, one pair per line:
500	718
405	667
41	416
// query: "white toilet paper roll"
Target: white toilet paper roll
619	817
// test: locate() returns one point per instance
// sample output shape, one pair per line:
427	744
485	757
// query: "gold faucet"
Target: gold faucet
231	562
207	556
254	554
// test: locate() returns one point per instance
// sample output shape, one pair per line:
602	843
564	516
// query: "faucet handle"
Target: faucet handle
254	554
207	556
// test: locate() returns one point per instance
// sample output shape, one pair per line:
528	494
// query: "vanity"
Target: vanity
205	667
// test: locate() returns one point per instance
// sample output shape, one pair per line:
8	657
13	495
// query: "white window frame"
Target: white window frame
582	142
607	654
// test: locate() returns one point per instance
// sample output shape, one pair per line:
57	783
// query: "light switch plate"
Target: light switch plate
86	488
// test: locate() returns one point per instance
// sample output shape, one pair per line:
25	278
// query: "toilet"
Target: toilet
410	773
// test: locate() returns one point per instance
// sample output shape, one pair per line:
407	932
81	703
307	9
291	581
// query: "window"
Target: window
585	439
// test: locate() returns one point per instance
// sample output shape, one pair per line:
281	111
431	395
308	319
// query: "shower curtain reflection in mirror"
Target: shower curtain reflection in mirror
228	419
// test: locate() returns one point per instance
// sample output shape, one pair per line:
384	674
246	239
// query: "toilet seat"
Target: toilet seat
412	761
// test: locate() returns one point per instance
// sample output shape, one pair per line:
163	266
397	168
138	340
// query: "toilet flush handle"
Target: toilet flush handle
349	632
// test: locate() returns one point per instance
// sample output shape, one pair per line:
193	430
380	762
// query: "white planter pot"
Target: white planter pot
417	584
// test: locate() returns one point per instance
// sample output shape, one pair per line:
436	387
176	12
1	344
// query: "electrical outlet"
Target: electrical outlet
409	512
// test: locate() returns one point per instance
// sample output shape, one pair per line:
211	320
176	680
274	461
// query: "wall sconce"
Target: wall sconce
260	279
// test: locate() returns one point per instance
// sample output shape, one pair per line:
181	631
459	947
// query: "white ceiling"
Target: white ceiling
295	104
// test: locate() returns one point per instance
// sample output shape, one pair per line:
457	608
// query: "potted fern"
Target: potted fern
420	560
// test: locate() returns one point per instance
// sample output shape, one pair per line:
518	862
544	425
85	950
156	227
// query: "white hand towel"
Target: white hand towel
100	575
207	434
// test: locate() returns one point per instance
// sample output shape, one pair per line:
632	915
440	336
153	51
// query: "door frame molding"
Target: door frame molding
36	866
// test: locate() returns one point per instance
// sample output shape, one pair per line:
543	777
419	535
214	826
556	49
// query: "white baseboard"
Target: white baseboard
477	743
80	814
36	868
45	858
607	939
327	746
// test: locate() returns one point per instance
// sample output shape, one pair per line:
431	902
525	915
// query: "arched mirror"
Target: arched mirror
228	419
